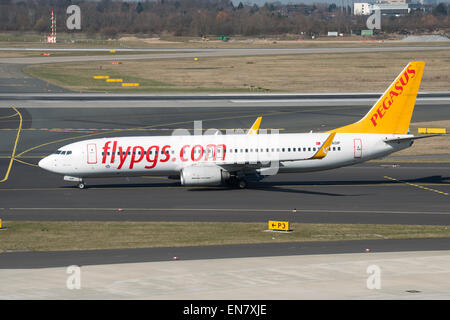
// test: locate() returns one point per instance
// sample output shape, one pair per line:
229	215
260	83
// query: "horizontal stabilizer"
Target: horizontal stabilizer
412	138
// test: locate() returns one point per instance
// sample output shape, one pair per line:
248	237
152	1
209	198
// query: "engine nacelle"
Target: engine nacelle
203	175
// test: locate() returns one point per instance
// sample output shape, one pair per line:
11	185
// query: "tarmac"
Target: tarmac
384	276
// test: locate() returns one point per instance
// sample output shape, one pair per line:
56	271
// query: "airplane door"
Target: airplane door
91	153
358	148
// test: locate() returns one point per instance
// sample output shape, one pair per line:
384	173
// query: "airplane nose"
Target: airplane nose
44	163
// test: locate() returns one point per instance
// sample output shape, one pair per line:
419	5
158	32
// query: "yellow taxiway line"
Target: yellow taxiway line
13	154
416	185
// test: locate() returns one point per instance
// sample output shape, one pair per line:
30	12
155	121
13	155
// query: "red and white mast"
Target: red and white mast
52	37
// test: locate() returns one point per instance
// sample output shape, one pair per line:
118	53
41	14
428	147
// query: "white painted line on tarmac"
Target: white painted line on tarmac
235	210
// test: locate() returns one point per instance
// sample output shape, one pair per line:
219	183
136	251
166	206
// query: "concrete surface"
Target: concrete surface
407	275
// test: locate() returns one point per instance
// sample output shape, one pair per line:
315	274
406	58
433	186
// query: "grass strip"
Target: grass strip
89	235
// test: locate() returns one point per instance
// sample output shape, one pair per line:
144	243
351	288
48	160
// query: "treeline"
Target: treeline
204	17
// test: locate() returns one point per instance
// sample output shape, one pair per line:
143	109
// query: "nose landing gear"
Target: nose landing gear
80	181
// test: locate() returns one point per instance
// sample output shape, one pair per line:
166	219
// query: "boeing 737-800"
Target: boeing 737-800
237	158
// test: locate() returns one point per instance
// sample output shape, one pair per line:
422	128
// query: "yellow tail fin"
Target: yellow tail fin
392	113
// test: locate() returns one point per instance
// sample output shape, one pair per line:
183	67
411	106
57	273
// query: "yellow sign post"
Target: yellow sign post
279	225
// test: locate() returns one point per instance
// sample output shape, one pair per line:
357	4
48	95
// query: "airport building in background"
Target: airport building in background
393	7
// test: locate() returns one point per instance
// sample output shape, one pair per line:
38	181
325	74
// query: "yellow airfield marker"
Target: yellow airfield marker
432	130
127	84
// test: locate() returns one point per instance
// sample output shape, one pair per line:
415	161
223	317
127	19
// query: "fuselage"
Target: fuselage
168	155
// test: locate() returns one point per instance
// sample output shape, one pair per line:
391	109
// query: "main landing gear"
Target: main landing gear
242	183
238	183
81	185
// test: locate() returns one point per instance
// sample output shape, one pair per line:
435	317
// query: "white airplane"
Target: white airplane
236	159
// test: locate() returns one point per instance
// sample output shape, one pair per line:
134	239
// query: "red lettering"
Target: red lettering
105	151
411	71
384	103
379	111
213	149
113	156
404	83
398	87
193	158
393	93
123	156
182	153
374	119
133	156
166	153
155	158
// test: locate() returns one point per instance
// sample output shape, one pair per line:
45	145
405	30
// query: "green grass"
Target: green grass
283	73
49	236
85	78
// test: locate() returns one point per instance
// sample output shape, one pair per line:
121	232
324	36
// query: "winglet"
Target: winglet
323	151
255	127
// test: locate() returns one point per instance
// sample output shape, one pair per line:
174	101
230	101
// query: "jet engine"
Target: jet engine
203	175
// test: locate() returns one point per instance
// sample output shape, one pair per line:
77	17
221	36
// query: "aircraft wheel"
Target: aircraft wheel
242	184
81	185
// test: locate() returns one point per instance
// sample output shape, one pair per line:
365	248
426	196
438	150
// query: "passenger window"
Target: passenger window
339	148
289	149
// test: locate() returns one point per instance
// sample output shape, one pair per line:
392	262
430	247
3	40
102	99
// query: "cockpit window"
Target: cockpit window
63	152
